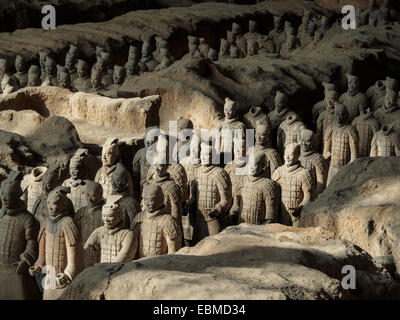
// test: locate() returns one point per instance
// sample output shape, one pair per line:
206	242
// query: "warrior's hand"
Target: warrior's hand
63	280
34	270
213	213
22	267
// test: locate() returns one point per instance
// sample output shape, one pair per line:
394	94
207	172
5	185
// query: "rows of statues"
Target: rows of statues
59	227
77	75
52	228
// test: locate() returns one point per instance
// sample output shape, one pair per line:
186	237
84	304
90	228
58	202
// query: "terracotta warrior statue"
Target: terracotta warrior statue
256	116
18	243
158	232
385	143
372	15
204	48
105	66
120	186
366	126
100	78
31	186
88	219
340	142
281	111
147	63
60	246
65	81
42	60
277	34
305	21
132	68
376	92
237	168
96	81
8	84
289	132
258	200
255	35
71	60
83	83
110	159
78	170
213	197
231	128
240	41
263	145
326	117
223	49
185	133
34	76
142	159
193	43
313	161
50	181
296	185
166	60
320	106
192	165
160	44
51	72
4	70
353	98
119	75
22	74
389	112
158	174
117	243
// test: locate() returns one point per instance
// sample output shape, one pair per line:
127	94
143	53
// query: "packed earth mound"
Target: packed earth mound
243	262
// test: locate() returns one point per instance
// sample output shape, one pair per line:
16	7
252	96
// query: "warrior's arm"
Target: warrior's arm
354	146
93	239
41	261
226	197
128	248
31	233
374	147
73	258
174	238
327	144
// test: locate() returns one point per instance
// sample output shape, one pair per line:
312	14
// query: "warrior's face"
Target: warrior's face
255	167
391	99
109	156
261	138
229	111
151	201
206	156
70	62
76	170
8	198
111	216
55	205
19	65
291	155
306	142
340	116
239	149
83	71
118	76
353	84
119	182
94	197
161	169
